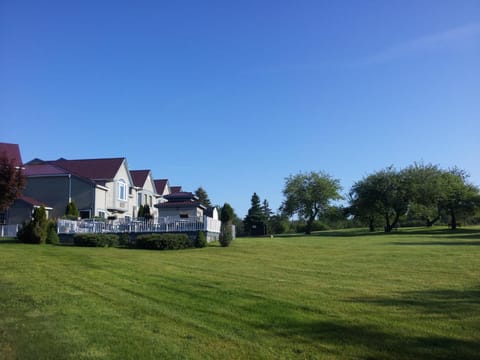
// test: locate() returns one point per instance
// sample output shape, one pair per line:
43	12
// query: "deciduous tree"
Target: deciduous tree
309	194
384	193
459	197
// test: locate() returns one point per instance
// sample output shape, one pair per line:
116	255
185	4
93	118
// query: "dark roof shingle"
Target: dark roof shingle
175	189
139	177
94	169
160	185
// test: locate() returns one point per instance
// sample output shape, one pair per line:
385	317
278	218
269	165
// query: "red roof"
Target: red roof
12	152
139	177
94	169
182	204
181	195
175	189
43	169
160	185
31	201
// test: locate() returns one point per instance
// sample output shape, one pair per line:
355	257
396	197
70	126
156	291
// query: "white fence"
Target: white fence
166	224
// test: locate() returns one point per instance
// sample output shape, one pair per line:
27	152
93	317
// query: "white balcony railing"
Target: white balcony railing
165	224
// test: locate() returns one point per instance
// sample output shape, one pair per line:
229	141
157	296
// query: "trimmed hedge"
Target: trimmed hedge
163	242
95	240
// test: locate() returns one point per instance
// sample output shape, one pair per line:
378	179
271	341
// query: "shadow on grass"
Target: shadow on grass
370	342
442	243
447	302
442	232
374	342
343	338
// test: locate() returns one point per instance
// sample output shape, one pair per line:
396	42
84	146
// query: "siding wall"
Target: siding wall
51	190
54	192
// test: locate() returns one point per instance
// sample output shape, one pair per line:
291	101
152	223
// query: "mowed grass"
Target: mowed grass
333	295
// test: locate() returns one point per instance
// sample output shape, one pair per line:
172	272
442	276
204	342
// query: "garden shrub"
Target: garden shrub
95	240
163	241
35	231
123	239
71	211
201	240
226	236
52	236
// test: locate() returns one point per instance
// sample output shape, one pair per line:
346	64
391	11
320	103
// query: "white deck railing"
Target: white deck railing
9	230
166	224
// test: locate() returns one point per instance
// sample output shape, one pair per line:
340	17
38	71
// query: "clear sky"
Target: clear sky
235	96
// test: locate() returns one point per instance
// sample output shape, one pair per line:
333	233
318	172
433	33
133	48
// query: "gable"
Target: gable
162	187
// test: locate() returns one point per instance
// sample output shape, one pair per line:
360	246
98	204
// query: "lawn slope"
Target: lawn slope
332	295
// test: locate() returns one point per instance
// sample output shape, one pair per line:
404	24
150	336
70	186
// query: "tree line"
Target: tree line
420	194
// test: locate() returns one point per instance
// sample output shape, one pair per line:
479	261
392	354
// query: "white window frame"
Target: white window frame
122	189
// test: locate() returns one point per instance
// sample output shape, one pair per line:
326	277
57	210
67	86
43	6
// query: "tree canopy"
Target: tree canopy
384	193
309	194
203	198
425	189
12	181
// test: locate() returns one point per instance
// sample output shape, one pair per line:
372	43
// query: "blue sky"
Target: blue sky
235	96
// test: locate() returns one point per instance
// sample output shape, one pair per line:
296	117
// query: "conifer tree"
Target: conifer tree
203	197
255	213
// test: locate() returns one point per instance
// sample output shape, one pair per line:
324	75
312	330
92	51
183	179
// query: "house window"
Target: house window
145	197
151	201
139	200
183	216
122	190
3	218
101	214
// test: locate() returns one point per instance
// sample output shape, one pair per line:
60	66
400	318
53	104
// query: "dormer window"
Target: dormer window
122	190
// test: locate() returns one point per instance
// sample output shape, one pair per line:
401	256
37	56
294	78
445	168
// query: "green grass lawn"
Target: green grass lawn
334	295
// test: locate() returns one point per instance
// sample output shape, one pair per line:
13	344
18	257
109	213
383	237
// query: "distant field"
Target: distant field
334	295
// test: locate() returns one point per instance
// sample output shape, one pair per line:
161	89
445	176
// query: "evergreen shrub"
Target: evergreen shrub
226	236
95	240
201	240
123	239
163	242
35	231
52	236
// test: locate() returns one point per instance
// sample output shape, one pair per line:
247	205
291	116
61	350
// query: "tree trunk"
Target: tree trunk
308	229
454	220
388	227
395	222
431	222
371	225
311	219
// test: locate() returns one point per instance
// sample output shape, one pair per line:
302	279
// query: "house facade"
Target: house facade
184	205
104	188
99	187
146	192
22	210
